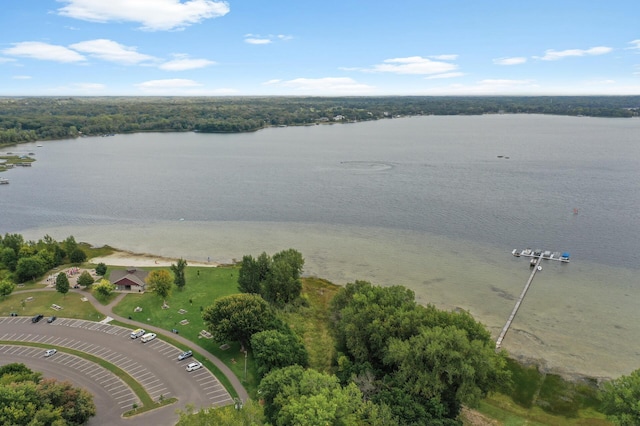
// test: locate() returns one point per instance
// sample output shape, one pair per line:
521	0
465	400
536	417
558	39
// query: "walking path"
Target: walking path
107	310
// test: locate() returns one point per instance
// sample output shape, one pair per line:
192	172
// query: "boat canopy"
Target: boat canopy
566	254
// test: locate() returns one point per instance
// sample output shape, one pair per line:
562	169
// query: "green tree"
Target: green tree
444	365
249	277
77	255
85	279
69	244
238	317
281	287
101	269
621	399
104	288
295	396
6	288
27	399
29	268
62	284
159	281
274	349
249	415
9	258
178	270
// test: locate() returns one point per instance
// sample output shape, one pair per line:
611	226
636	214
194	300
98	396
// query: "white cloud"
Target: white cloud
413	65
109	50
183	63
554	55
79	89
252	40
516	60
154	15
43	51
444	57
268	39
21	77
174	83
327	85
488	87
445	75
635	44
6	60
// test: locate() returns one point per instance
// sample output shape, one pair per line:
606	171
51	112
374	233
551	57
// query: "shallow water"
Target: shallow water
424	202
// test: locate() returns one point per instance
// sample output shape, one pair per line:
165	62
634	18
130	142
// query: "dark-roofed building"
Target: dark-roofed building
130	279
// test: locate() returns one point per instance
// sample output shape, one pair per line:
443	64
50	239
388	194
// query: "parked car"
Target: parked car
76	286
37	318
185	355
148	337
193	366
14	314
137	333
49	352
51	319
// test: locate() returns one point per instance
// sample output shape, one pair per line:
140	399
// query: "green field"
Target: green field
204	286
39	302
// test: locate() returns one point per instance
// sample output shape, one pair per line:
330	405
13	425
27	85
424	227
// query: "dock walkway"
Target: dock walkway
517	306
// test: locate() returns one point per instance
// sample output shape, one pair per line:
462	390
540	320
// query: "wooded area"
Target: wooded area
30	119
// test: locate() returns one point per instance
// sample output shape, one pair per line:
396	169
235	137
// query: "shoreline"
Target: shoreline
550	330
129	258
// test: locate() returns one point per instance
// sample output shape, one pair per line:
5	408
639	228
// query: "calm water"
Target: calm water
424	202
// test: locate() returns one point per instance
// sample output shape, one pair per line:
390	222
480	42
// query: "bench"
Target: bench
182	311
56	307
184	322
206	334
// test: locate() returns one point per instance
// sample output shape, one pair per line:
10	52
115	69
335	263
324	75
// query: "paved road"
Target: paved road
154	364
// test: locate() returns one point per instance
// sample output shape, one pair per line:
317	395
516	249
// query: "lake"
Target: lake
432	203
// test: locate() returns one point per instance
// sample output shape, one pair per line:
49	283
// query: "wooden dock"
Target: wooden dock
518	303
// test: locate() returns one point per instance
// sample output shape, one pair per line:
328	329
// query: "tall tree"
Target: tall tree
249	280
276	349
101	269
295	396
104	288
85	279
62	284
621	399
237	317
159	281
444	365
28	268
6	288
178	270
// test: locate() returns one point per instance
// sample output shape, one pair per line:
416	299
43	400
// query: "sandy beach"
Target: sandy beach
125	258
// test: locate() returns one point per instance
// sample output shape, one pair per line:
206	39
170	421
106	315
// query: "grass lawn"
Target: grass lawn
204	286
73	306
312	322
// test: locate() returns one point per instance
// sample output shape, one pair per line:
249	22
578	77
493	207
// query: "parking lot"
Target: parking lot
154	364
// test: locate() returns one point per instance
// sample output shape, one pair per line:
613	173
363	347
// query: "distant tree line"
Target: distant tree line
30	119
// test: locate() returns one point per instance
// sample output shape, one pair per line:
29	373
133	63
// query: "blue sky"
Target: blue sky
332	48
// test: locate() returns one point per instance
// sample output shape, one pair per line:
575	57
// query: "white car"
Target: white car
193	366
148	337
49	352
